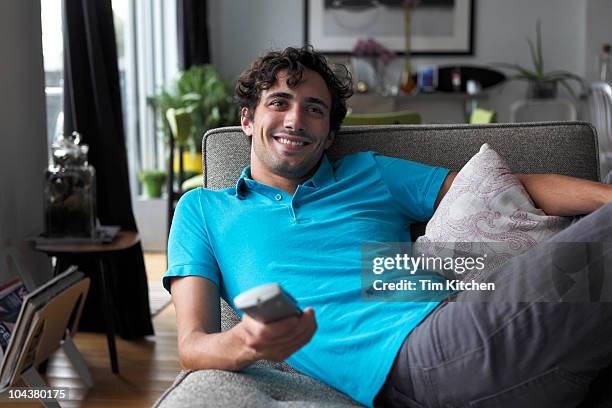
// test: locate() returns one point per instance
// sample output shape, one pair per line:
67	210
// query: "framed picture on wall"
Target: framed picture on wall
438	27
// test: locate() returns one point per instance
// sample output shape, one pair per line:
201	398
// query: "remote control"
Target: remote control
267	303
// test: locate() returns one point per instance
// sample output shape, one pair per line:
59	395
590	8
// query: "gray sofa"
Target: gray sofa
568	148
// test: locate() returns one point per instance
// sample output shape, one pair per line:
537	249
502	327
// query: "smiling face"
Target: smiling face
289	130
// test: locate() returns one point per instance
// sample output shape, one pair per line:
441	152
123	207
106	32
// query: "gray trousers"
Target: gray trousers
503	353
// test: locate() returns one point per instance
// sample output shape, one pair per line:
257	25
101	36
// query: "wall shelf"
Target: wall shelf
435	107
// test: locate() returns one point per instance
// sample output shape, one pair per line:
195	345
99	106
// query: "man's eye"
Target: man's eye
315	109
277	103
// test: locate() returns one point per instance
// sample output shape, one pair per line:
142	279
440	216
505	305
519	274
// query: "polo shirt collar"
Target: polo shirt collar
322	177
241	185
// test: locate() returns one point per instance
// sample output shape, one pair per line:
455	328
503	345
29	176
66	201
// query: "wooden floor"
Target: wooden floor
147	367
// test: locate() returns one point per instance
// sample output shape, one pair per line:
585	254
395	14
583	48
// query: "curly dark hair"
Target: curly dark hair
262	73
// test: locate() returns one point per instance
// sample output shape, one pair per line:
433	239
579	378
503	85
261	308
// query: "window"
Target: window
147	59
53	55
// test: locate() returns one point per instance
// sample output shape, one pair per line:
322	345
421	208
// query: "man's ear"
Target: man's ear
330	139
246	122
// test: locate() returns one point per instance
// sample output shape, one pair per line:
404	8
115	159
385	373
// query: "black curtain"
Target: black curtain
92	106
192	33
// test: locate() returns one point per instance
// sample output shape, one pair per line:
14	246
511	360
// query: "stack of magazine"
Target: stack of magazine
33	325
11	298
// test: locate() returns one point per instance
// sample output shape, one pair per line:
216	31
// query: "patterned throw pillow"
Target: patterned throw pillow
487	211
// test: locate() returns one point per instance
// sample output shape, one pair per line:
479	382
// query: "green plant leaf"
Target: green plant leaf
560	74
157	175
180	123
534	57
539	74
539	46
192	97
569	89
200	91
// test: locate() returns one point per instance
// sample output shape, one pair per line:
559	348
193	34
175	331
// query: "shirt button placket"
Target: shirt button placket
294	207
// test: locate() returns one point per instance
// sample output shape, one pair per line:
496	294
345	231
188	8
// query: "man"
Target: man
295	218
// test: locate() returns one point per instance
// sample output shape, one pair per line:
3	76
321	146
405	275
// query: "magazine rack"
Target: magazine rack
48	325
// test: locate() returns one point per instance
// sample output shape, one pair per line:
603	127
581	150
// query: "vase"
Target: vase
70	190
153	188
408	82
542	89
367	73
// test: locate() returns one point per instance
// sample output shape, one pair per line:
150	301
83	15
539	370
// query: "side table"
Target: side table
123	241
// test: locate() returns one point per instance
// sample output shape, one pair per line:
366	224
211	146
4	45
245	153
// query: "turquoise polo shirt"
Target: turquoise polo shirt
310	243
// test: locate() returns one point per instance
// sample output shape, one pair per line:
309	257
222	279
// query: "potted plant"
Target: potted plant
152	181
197	101
542	84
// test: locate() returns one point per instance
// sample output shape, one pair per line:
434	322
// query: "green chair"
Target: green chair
388	118
191	183
481	116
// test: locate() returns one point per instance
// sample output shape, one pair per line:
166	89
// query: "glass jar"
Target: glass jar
70	190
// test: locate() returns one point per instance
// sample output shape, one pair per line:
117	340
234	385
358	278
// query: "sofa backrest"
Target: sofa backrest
568	148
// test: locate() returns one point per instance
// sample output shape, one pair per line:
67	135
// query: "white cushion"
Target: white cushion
487	211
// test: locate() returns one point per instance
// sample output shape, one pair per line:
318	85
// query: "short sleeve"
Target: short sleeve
415	186
189	249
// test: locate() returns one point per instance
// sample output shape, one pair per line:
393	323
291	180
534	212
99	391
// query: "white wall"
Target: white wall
242	29
23	151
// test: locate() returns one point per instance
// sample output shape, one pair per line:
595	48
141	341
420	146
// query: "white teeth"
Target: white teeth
290	142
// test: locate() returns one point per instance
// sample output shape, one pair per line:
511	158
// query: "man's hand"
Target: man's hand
278	340
202	345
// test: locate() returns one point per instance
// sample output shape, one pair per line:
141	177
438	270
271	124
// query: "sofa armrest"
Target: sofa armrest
251	387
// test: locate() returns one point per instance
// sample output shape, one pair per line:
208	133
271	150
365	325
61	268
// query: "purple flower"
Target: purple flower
372	48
